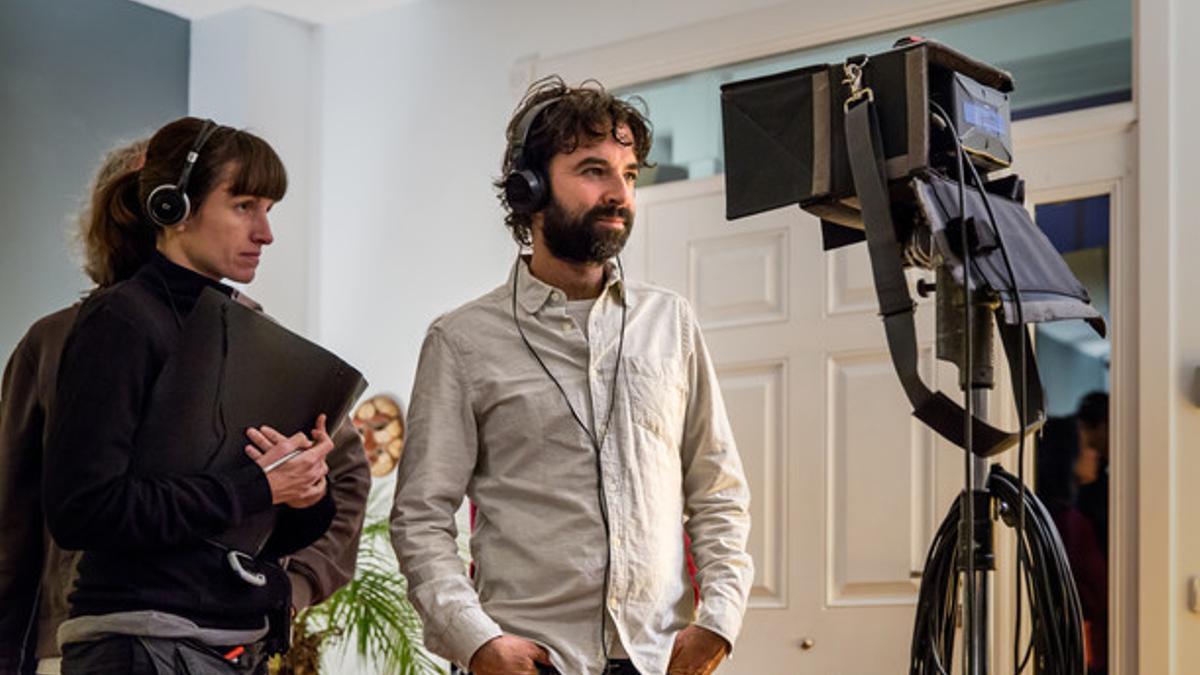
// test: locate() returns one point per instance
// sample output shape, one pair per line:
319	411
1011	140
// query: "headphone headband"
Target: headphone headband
521	133
210	127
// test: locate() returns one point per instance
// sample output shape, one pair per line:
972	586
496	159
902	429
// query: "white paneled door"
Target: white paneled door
847	487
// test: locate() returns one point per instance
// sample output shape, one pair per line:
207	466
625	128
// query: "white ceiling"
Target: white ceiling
311	11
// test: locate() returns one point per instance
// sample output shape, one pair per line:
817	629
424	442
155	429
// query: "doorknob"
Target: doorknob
807	644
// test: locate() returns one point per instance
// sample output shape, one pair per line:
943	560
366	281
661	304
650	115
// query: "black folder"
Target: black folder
235	368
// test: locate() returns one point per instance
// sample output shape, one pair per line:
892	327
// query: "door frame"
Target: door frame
1103	135
740	36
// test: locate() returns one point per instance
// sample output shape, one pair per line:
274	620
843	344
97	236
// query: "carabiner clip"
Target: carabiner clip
235	563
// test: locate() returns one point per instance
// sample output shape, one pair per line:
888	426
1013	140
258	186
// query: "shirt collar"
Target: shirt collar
533	293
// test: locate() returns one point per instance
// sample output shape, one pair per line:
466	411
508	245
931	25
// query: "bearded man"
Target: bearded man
581	415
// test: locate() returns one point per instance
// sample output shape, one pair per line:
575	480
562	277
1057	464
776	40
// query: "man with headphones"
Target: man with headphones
581	415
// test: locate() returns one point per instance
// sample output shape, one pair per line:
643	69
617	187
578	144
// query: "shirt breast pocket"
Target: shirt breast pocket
657	398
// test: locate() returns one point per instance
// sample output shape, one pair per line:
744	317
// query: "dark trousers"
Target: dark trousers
128	655
615	667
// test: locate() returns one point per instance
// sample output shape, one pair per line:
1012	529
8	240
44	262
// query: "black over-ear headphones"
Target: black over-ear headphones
525	189
169	204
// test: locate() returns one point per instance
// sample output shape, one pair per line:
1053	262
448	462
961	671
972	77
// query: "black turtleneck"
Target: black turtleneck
143	535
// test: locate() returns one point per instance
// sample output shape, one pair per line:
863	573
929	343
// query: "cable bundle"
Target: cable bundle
1056	643
933	629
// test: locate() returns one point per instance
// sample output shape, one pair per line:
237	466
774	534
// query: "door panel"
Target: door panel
871	561
841	475
754	398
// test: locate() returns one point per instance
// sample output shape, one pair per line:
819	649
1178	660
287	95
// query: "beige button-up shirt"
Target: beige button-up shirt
487	422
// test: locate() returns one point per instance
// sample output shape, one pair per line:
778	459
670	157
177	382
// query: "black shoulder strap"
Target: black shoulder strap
934	408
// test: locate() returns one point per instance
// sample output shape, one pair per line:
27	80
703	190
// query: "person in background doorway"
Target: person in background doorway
35	574
1058	468
1093	433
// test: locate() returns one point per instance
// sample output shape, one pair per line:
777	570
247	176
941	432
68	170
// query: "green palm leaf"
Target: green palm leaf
371	612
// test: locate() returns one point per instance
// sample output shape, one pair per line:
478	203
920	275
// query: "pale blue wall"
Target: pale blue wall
76	78
1067	374
1058	51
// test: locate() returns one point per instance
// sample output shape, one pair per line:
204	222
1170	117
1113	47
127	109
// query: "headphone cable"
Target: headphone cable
597	441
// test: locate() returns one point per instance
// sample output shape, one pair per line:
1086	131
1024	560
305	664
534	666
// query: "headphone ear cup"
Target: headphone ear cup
525	191
167	205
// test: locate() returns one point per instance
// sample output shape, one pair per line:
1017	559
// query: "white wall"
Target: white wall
1169	414
259	71
415	104
1068	374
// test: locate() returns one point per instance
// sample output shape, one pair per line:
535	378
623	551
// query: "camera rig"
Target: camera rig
908	150
862	146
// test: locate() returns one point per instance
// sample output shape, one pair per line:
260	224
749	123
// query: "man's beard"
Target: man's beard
582	239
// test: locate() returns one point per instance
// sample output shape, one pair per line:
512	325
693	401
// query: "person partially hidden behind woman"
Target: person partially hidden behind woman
152	594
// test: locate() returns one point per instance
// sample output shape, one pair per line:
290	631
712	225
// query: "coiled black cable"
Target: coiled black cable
1055	609
1055	612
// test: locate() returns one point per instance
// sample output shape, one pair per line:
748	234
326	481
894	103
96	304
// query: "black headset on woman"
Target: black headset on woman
168	204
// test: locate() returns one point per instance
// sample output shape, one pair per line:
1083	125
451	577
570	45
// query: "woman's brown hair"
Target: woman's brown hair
102	248
119	237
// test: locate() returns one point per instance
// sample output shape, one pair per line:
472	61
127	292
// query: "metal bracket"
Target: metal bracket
853	77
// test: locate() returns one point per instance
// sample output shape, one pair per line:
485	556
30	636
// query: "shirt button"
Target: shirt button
617	541
612	602
567	326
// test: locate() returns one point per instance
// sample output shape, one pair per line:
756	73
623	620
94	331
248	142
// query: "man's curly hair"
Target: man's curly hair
584	114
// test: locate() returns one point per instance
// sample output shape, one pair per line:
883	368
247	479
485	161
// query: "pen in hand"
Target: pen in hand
283	460
294	466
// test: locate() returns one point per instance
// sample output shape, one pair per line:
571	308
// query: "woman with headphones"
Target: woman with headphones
155	593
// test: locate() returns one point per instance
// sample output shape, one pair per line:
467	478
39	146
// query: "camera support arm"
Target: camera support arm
896	305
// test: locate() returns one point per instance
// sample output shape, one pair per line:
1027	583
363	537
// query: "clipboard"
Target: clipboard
234	368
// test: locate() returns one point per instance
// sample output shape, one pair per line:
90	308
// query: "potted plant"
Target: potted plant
372	611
